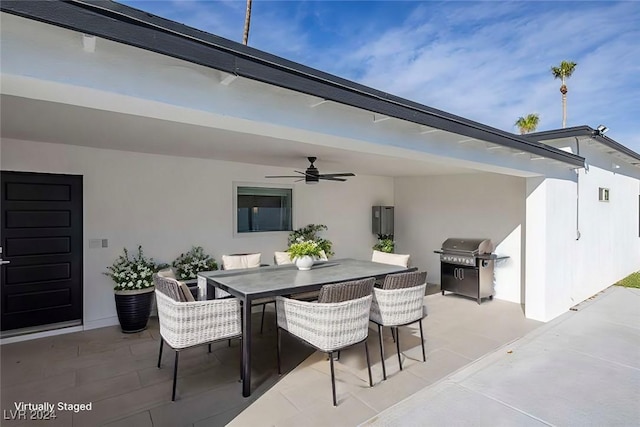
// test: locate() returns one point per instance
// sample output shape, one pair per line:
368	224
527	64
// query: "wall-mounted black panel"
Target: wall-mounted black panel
38	246
38	301
37	192
37	273
37	219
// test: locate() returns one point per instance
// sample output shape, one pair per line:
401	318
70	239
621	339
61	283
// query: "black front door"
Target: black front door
41	237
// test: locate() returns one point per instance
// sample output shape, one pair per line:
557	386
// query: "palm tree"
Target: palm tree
247	22
528	123
563	72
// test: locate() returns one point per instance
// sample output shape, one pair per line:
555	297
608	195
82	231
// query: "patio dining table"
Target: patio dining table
250	284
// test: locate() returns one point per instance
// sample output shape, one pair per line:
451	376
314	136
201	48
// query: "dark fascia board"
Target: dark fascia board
133	27
581	131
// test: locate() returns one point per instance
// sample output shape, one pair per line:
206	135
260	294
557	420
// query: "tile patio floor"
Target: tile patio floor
118	373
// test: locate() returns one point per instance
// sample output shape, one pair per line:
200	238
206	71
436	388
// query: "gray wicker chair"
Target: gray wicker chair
399	302
185	324
338	320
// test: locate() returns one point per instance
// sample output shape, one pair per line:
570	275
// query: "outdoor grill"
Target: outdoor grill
466	267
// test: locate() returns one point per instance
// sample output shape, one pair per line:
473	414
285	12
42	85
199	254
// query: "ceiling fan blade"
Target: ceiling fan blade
282	176
333	175
332	179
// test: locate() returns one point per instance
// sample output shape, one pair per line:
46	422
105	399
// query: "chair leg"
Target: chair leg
384	369
338	358
424	355
278	349
210	347
398	347
160	354
393	334
366	352
333	379
175	376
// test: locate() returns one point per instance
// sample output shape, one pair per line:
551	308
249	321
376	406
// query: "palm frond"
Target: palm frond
528	123
565	70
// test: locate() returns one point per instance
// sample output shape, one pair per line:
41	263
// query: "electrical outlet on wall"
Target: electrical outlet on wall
98	243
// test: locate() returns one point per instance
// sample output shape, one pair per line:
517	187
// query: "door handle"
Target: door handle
462	274
4	262
456	273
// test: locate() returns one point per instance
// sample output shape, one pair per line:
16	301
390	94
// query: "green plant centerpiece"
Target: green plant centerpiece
303	252
385	243
311	232
133	278
304	248
188	264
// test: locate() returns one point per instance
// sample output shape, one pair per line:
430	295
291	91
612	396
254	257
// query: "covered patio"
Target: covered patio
118	373
163	147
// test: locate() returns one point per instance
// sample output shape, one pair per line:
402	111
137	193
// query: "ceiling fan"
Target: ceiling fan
312	175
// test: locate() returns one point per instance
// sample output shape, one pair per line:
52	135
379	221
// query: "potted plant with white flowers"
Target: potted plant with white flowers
303	252
190	263
133	277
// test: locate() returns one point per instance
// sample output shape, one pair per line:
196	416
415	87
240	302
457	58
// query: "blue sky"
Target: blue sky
488	61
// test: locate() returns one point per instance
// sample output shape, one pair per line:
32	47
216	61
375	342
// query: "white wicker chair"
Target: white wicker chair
399	302
338	320
282	258
391	259
241	262
188	324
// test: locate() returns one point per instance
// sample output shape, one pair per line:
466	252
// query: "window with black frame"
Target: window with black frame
262	209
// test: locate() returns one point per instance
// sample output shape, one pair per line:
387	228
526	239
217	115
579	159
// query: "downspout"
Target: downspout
578	193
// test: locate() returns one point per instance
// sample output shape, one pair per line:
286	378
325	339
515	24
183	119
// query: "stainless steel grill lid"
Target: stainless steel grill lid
468	246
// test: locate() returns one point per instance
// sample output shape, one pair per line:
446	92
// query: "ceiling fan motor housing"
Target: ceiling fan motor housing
312	173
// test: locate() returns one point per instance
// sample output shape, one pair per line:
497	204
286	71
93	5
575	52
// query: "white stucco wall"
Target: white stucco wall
431	209
168	204
562	269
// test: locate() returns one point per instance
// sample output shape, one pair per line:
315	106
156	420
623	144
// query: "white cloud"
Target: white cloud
486	61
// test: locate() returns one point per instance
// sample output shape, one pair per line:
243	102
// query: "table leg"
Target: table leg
246	349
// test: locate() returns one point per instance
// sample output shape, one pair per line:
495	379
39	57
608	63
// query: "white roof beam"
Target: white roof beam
426	129
318	103
377	118
89	43
230	78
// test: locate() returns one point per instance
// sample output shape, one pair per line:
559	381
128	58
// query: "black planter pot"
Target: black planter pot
134	308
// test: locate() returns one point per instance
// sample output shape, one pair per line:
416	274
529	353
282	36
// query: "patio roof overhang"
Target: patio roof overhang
139	29
605	143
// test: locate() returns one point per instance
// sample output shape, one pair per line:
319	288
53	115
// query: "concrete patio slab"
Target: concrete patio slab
580	369
118	372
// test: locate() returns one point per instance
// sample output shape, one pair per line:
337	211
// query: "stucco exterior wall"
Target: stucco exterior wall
429	210
168	204
577	245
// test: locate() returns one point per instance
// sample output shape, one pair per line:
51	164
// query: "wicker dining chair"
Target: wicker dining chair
339	319
401	260
185	324
283	258
399	302
241	262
